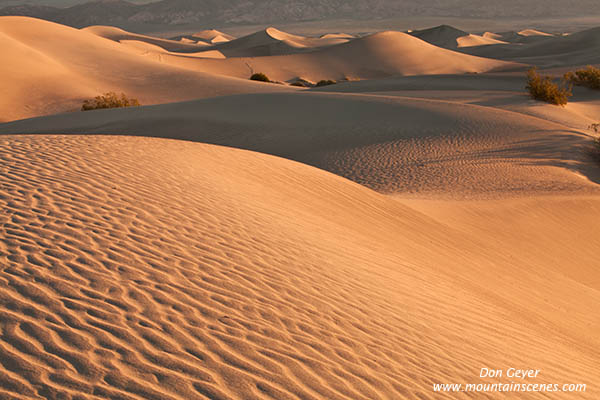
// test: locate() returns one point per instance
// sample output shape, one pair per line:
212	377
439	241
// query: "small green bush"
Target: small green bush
325	82
260	77
543	88
109	100
589	77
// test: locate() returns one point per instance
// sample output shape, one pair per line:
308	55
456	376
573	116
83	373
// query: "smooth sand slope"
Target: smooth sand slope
147	268
49	68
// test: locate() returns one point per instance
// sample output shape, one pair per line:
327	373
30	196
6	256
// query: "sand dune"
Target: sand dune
50	68
576	49
375	56
147	268
213	36
521	37
449	37
337	36
399	145
533	32
471	40
117	35
272	41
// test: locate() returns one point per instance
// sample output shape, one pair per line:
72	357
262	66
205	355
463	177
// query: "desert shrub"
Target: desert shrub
589	77
543	88
298	83
109	100
260	77
325	82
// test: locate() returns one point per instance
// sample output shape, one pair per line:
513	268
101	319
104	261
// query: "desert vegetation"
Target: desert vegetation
544	88
588	77
325	82
109	100
259	76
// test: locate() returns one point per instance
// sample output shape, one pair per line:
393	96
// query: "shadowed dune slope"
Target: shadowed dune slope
140	268
49	68
443	36
391	144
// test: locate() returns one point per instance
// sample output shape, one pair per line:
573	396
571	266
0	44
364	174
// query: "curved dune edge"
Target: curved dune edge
150	268
395	145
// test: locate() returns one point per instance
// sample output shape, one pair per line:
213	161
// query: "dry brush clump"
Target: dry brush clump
543	88
325	82
260	77
589	77
109	100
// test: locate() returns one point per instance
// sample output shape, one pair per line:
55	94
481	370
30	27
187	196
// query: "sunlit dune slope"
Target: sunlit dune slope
147	268
471	40
49	68
391	144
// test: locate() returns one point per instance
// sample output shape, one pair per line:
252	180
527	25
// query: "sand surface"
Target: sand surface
246	240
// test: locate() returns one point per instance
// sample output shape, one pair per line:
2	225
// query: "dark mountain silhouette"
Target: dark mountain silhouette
216	12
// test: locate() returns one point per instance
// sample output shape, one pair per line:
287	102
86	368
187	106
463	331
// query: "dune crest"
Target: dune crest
213	36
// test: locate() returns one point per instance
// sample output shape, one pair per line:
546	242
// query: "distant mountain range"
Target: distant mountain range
216	12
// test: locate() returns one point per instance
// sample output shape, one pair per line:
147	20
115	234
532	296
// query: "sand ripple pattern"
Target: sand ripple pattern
137	268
